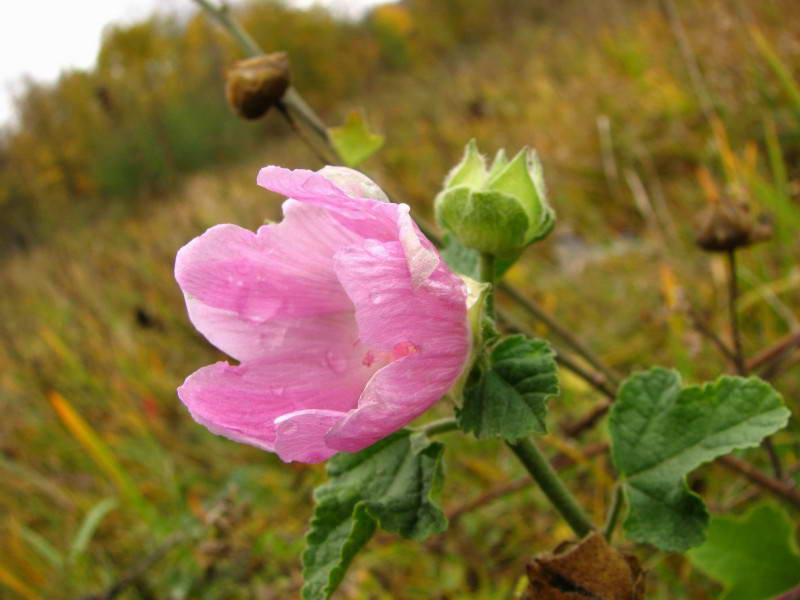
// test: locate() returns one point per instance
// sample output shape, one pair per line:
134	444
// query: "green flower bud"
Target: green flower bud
497	210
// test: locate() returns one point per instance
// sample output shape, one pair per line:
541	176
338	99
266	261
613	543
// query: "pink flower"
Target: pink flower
346	323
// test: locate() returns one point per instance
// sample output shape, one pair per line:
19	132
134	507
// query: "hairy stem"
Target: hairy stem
440	426
486	266
548	480
526	451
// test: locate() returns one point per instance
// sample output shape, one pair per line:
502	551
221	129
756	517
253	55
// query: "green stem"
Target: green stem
486	271
222	16
440	426
614	512
548	480
525	449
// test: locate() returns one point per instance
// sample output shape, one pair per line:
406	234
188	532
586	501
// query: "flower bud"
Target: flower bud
497	210
255	84
725	225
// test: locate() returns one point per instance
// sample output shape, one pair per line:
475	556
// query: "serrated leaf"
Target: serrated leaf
394	484
661	432
754	556
507	396
353	141
466	260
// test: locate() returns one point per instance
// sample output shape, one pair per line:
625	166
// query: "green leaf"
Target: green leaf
754	557
394	484
507	394
660	433
466	260
353	141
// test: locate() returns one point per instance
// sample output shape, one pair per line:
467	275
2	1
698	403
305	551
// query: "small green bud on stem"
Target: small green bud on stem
497	210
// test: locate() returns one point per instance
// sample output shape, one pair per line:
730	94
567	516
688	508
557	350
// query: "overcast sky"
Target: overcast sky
39	38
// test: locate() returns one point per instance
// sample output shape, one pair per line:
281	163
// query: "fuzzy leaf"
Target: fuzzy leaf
394	484
353	141
661	432
508	397
754	556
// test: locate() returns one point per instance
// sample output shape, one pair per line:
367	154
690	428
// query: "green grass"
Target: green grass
101	465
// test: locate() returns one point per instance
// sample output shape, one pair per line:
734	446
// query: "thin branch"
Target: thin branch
738	358
733	296
690	60
562	332
135	574
771	484
774	352
576	428
704	329
560	461
284	110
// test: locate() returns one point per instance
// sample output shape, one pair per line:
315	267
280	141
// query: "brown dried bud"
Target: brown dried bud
588	569
255	84
726	224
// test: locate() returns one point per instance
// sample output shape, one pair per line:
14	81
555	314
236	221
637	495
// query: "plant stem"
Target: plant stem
440	426
548	480
741	367
614	512
525	449
486	270
221	14
733	295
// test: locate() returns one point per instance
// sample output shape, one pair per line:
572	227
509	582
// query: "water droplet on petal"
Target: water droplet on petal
335	362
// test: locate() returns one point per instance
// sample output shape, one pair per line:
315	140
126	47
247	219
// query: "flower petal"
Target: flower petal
301	435
425	328
366	217
242	402
240	286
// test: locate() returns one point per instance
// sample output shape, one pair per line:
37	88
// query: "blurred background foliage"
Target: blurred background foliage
642	110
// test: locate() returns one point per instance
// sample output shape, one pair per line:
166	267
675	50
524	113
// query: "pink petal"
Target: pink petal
364	216
354	183
242	402
425	329
243	288
301	435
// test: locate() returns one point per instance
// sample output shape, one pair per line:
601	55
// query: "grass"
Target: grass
102	466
